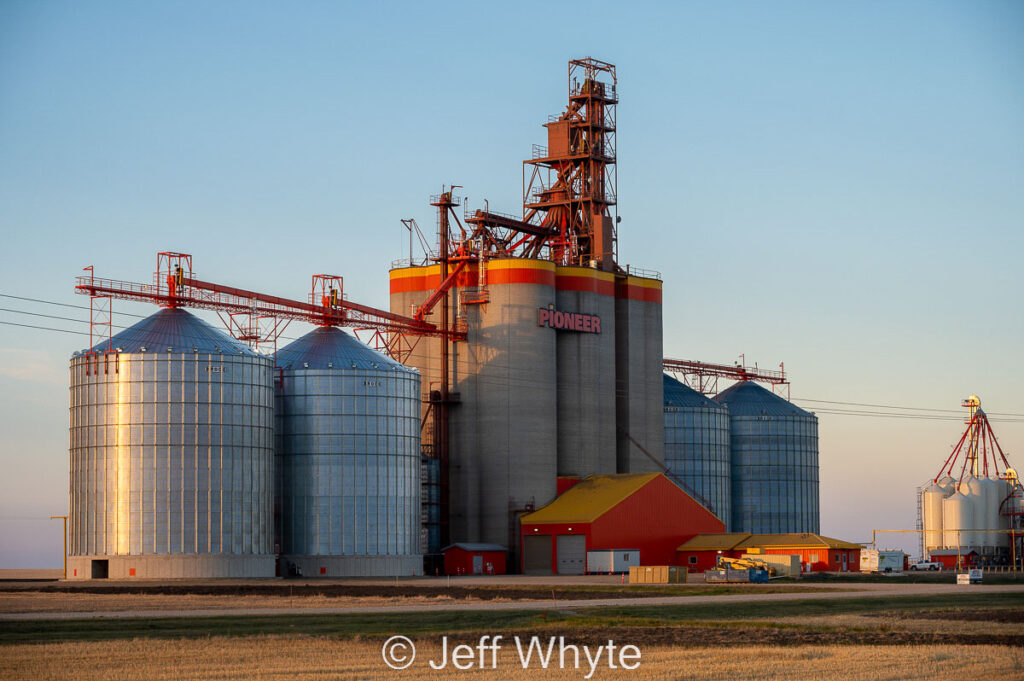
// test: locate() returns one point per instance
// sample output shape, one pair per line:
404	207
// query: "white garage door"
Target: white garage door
572	554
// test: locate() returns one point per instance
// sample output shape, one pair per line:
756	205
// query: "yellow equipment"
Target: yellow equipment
745	564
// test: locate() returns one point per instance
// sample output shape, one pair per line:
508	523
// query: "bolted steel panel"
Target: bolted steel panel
697	450
348	455
774	446
171	446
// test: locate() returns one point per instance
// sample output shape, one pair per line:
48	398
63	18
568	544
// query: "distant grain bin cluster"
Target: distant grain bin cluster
973	518
518	360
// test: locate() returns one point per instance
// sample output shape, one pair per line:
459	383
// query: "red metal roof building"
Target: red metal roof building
817	553
639	511
953	559
466	558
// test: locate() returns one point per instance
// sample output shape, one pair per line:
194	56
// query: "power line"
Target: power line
39	314
893	406
933	414
77	307
885	406
46	328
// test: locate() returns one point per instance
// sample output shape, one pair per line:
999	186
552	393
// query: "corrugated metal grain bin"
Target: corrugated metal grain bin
171	455
697	449
348	454
774	447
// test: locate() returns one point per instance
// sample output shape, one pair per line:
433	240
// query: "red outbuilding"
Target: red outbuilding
645	512
701	552
953	559
474	559
817	553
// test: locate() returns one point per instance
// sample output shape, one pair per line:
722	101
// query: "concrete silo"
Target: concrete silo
347	458
555	367
504	411
638	358
586	375
697	451
774	447
171	455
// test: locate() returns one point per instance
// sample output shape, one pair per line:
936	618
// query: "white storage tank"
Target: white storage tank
957	517
931	514
973	488
993	493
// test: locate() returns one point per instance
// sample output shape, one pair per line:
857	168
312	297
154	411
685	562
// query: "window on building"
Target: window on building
693	560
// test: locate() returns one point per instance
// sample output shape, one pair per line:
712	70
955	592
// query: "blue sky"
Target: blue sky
839	186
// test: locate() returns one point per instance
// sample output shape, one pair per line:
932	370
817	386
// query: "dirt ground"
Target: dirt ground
305	659
111	597
35	602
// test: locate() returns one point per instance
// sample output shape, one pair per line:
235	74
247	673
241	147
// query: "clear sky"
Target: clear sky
839	186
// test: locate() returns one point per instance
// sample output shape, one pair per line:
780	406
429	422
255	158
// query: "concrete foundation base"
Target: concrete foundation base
353	566
169	566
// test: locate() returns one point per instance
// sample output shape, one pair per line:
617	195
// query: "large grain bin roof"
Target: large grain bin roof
750	399
175	330
328	347
714	542
678	394
588	500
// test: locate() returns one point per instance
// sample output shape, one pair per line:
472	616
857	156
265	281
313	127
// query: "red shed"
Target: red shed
646	512
952	559
474	559
701	552
817	553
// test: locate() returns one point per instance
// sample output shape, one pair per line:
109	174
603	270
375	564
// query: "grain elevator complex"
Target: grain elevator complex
972	513
514	404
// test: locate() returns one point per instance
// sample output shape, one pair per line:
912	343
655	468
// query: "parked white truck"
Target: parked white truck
925	565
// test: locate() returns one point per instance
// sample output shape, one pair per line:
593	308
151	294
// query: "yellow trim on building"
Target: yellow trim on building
741	541
520	263
417	271
796	540
726	541
579	271
644	282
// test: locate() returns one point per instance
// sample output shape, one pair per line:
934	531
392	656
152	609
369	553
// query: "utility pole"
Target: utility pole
65	535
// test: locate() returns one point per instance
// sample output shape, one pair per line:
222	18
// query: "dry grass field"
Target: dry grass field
30	601
301	658
926	636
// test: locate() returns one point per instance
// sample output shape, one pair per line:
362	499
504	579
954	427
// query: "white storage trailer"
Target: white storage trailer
614	561
872	560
